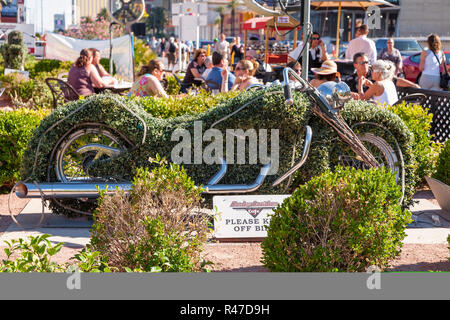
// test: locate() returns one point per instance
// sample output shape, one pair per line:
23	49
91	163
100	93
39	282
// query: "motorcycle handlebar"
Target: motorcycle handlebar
287	73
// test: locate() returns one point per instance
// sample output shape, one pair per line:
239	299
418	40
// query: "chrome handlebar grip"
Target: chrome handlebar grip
287	73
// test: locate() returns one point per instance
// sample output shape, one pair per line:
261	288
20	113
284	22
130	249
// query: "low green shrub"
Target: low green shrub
443	166
154	228
342	221
45	65
35	254
16	128
28	93
105	64
32	255
173	87
188	105
18	86
426	151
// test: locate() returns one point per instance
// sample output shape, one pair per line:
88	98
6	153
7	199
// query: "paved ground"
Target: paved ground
425	247
431	226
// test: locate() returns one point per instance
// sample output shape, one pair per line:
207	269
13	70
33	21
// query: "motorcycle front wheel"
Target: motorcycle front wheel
379	141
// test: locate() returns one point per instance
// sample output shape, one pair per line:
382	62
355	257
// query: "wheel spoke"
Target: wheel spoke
72	165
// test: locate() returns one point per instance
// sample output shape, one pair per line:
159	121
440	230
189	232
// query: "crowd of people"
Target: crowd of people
375	78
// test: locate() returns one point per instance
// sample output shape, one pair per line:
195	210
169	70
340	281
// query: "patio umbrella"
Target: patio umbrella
346	4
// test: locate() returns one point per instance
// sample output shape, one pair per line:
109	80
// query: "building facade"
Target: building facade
419	18
87	8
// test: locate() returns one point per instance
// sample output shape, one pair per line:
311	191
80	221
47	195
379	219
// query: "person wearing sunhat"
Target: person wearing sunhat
327	72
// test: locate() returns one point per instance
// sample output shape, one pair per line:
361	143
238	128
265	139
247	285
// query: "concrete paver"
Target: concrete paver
76	233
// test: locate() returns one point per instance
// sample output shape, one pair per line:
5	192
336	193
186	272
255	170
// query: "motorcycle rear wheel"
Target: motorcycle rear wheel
70	164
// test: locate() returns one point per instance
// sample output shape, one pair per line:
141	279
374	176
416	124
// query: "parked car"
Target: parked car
406	46
411	66
39	49
229	39
204	43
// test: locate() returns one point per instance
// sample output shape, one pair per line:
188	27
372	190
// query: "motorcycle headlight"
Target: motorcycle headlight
337	94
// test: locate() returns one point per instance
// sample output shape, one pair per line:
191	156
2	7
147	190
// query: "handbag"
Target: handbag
445	78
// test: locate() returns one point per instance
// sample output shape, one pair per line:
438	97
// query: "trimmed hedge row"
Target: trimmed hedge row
16	129
419	122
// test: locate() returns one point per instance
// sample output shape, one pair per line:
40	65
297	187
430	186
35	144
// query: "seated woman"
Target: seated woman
327	72
244	72
148	82
84	77
194	70
383	89
96	62
297	67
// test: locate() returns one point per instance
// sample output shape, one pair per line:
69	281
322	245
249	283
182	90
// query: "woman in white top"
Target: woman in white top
244	72
383	89
431	61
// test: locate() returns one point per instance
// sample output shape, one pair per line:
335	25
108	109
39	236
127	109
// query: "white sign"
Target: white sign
176	8
244	216
26	74
189	28
283	19
190	8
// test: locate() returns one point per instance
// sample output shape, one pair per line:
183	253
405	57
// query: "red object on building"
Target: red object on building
278	58
9	19
256	23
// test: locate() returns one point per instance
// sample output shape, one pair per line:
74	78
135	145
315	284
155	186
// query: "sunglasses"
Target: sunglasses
316	38
363	62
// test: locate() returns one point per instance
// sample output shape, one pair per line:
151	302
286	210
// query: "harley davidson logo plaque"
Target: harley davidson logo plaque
243	217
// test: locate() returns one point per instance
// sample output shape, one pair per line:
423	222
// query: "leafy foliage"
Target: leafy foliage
14	51
443	166
16	128
157	228
142	54
342	221
419	122
94	30
33	255
189	105
36	253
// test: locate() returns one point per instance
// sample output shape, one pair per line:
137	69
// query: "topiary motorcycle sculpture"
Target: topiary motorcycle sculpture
266	140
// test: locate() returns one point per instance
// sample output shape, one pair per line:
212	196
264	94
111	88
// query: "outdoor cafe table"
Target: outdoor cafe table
118	88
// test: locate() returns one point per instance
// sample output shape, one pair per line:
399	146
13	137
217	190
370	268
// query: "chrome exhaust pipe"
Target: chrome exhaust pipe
67	190
89	190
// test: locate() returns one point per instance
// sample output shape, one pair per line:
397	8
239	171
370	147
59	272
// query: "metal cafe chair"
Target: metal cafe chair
62	92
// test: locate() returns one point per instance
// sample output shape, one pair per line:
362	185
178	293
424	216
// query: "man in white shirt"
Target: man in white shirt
362	44
224	47
294	54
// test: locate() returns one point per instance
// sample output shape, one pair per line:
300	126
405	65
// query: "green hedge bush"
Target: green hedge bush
443	166
342	221
188	105
419	122
16	129
157	227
